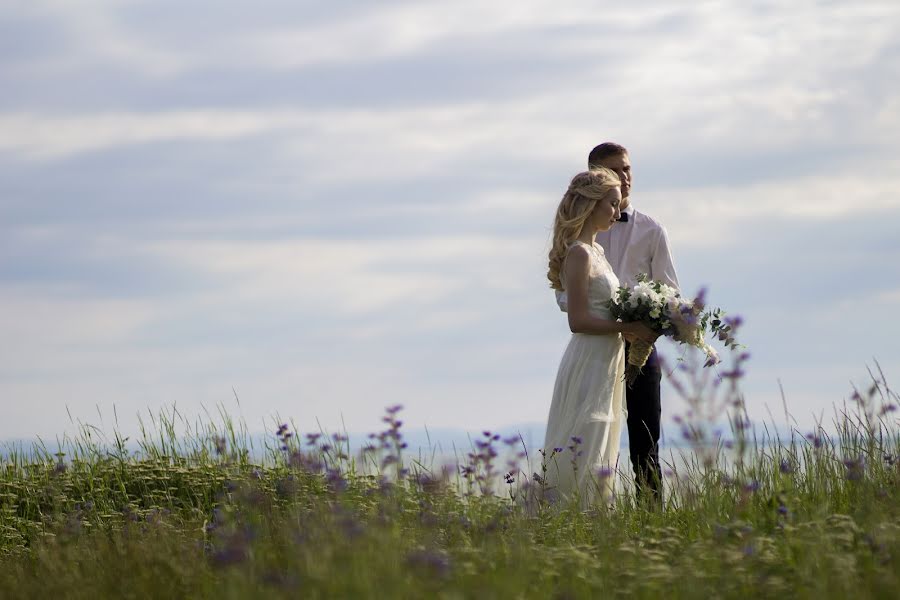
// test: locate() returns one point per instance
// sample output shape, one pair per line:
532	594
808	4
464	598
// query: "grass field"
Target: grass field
816	516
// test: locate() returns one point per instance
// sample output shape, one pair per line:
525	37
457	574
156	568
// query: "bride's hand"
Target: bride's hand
639	331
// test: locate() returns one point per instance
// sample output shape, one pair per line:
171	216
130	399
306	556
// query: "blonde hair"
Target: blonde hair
577	204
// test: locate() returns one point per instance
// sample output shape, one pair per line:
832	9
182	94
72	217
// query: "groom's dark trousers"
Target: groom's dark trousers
644	414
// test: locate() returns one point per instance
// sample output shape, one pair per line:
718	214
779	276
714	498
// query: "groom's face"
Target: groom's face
622	166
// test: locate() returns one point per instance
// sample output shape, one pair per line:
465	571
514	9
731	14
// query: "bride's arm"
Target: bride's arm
577	265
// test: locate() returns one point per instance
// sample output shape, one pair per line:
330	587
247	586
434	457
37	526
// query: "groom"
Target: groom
637	244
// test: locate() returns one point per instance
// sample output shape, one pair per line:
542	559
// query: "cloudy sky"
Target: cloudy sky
329	208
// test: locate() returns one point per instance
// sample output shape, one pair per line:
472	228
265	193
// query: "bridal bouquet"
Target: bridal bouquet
662	309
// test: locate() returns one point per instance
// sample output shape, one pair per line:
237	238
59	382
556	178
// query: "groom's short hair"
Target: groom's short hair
604	151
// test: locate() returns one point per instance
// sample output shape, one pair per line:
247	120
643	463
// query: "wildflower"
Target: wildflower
305	462
735	373
855	468
734	322
604	473
785	467
751	487
335	480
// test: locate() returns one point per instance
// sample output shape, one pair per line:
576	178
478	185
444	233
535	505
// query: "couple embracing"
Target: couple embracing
600	241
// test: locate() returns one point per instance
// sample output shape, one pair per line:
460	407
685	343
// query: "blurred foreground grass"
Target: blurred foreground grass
815	516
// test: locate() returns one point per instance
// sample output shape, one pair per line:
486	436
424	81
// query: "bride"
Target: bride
581	445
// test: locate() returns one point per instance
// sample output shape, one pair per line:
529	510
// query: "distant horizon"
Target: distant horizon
417	438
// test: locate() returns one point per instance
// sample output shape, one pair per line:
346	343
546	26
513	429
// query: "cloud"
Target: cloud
725	211
338	207
35	136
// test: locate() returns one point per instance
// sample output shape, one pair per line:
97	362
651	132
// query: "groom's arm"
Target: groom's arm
662	265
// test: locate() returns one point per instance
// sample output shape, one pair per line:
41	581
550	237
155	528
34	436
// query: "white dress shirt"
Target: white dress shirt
640	245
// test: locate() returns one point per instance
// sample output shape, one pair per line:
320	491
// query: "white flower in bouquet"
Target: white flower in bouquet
661	308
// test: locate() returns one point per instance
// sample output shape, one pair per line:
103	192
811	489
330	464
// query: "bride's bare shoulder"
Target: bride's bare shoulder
578	250
578	257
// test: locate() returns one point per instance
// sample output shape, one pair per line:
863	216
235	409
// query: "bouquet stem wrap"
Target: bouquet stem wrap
638	353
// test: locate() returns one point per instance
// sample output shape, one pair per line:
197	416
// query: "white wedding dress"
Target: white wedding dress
588	401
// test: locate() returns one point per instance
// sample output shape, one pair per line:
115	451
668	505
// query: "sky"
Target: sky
311	211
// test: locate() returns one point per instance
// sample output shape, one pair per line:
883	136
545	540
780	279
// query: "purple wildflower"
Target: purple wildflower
855	468
604	473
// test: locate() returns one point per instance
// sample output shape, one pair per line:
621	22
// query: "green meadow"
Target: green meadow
815	514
